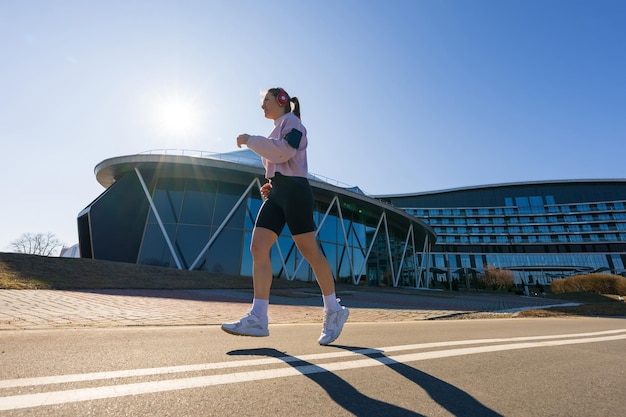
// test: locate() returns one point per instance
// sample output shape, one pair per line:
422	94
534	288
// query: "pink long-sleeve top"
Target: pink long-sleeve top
277	154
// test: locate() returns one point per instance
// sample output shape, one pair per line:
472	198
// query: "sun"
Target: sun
177	116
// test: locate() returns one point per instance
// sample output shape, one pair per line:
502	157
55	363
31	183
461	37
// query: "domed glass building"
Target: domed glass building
196	211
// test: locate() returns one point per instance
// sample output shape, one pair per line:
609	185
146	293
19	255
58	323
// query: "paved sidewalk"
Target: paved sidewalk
45	309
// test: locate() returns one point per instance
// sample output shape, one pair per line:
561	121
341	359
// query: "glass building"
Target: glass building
196	211
538	230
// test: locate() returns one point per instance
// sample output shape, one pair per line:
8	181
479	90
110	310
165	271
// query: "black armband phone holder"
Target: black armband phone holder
293	138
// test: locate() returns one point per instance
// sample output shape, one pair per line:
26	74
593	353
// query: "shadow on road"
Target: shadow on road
453	399
339	390
456	401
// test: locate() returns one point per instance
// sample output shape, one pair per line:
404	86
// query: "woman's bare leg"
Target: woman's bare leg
307	244
262	241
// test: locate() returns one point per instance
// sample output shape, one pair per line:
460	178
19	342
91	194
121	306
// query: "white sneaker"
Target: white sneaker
333	324
250	325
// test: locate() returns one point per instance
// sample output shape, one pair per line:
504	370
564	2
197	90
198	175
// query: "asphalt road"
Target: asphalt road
502	367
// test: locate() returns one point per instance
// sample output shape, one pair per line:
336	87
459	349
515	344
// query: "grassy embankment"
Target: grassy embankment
19	271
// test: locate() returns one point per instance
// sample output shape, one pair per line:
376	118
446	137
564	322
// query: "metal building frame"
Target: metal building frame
421	272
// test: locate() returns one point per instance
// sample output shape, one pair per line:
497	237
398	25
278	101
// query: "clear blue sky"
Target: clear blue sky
397	96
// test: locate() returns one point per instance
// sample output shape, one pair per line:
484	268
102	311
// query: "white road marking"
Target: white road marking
62	379
85	394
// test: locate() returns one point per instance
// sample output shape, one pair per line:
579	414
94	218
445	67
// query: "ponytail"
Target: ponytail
296	106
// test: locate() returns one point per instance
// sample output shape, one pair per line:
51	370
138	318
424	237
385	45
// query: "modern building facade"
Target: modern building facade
193	210
538	230
196	211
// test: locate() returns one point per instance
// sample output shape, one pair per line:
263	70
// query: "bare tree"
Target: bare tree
44	244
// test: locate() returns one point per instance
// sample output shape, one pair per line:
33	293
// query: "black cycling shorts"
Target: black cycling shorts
290	202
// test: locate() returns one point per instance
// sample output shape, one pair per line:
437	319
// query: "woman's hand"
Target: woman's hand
242	139
265	190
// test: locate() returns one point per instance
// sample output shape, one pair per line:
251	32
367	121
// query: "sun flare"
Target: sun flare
177	116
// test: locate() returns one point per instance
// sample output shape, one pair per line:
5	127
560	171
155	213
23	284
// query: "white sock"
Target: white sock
259	309
330	303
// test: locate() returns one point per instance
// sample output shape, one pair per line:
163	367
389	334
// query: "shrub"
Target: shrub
596	283
498	279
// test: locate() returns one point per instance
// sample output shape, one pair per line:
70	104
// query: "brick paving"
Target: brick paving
45	309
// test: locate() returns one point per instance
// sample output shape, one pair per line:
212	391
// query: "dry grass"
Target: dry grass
601	305
20	271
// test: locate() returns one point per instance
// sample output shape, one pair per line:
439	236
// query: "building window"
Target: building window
617	262
536	204
523	205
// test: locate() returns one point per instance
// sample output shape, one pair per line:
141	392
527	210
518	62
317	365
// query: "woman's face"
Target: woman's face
271	108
